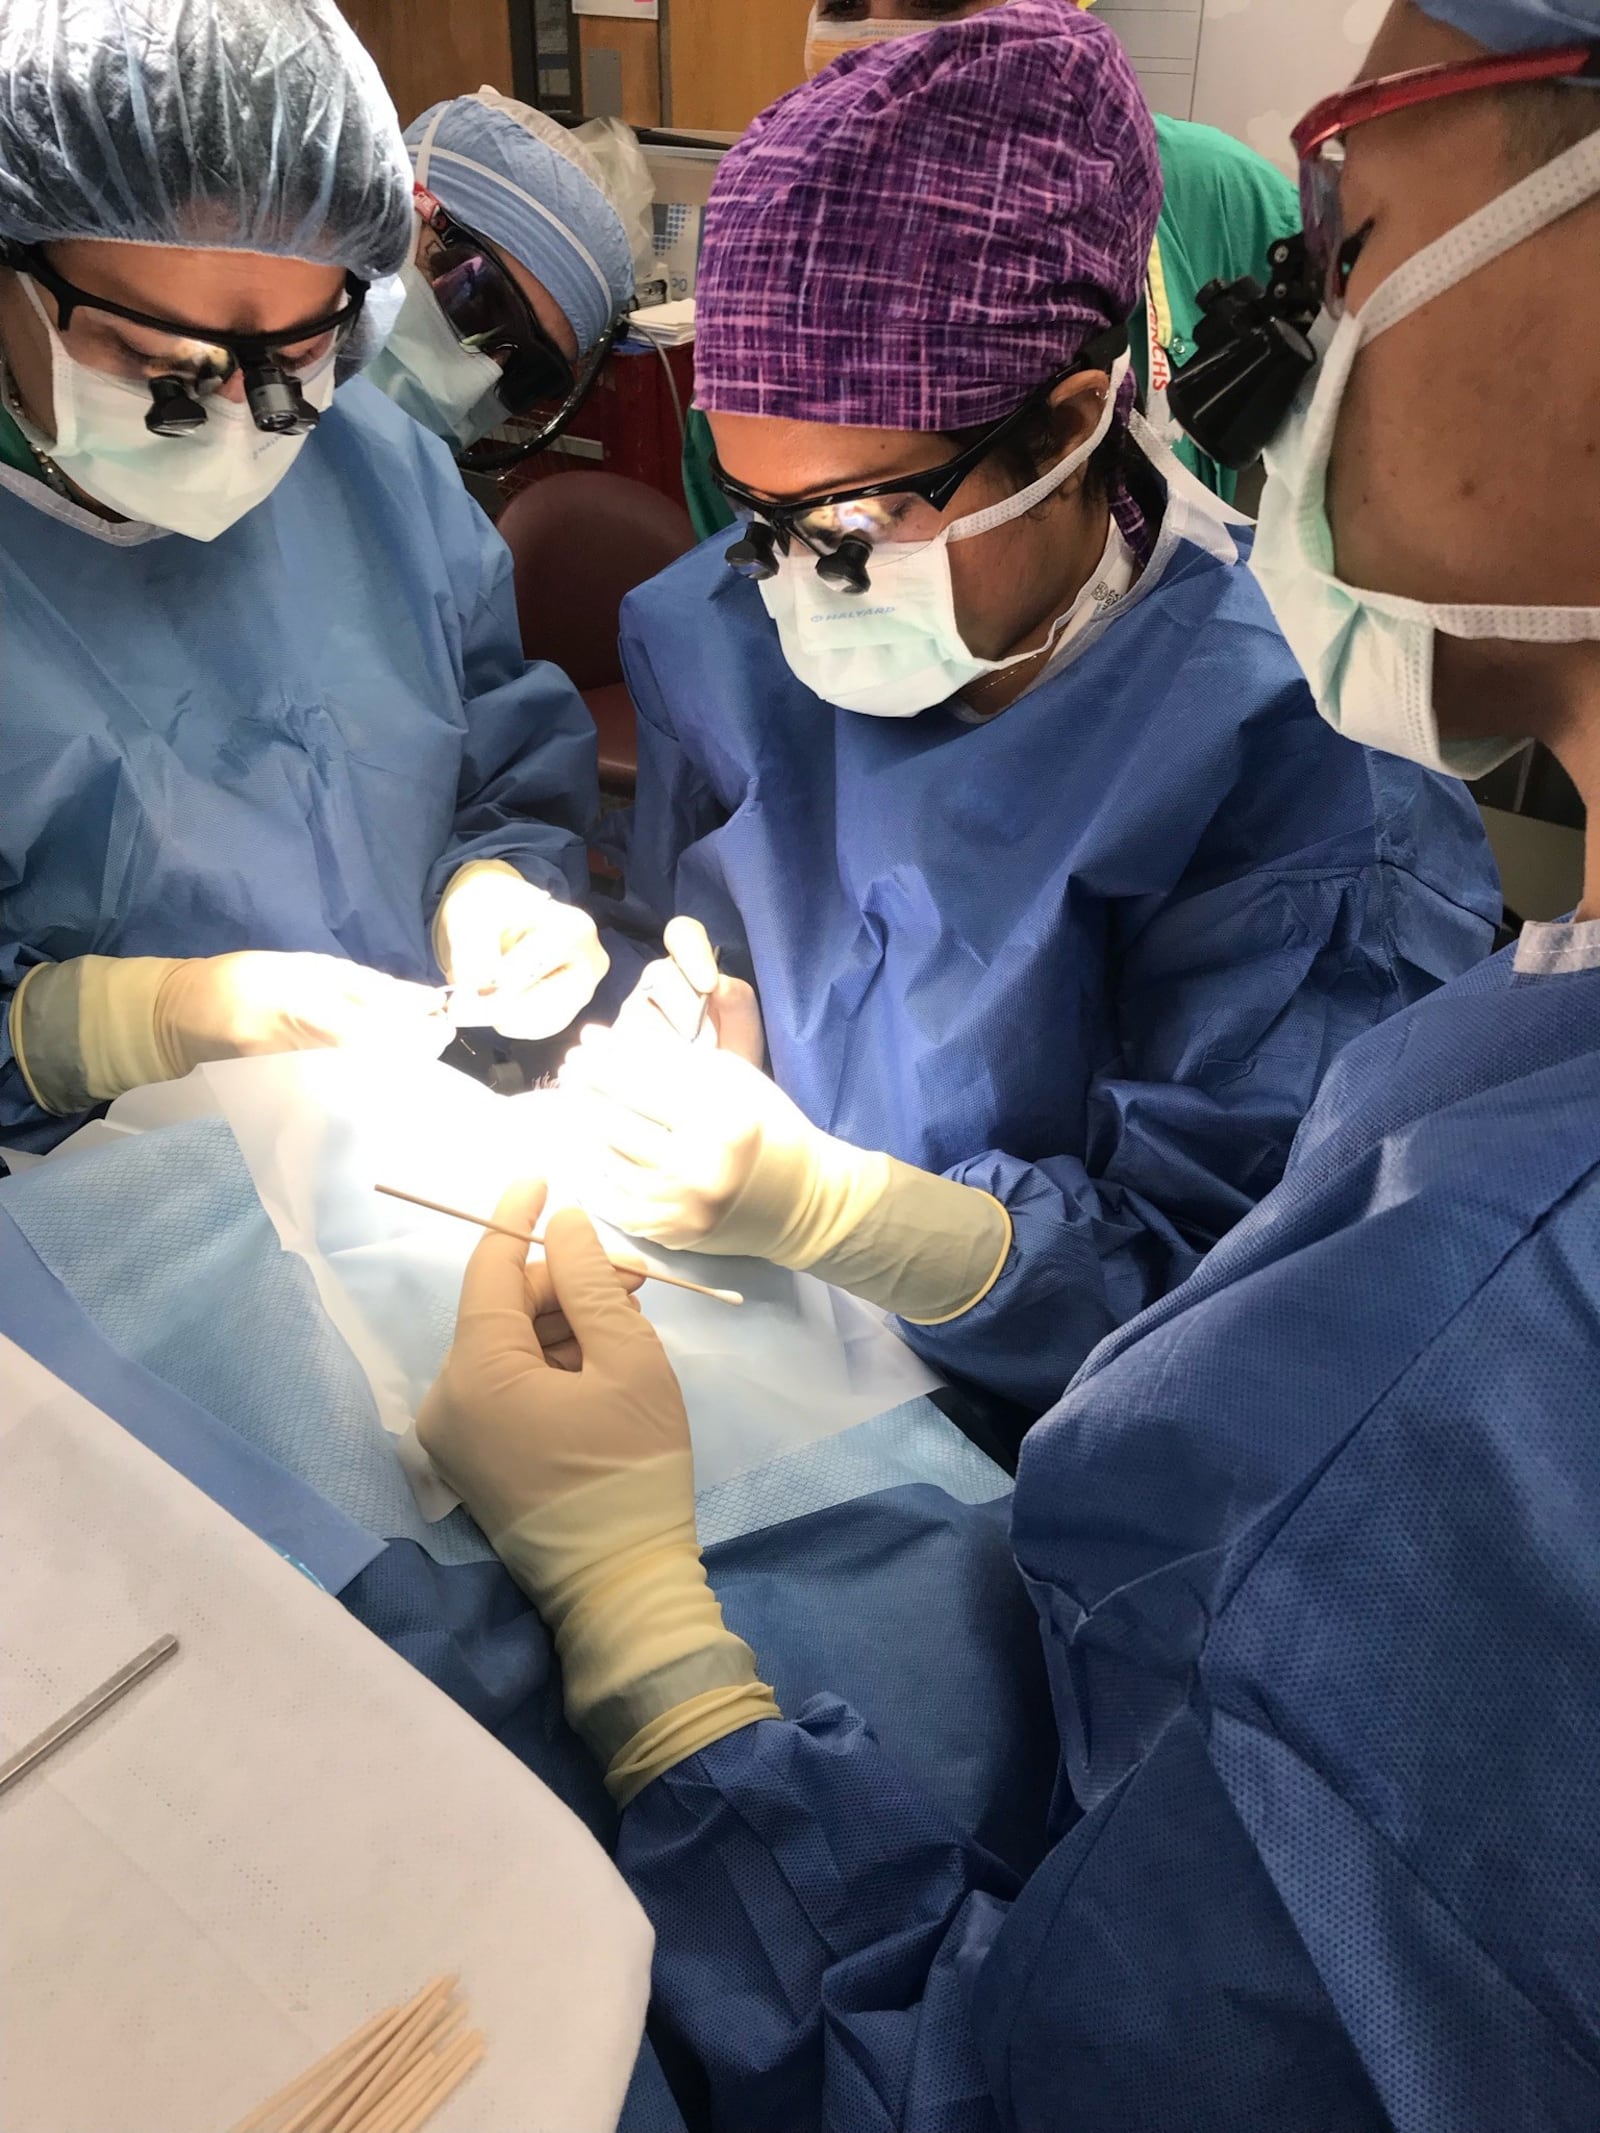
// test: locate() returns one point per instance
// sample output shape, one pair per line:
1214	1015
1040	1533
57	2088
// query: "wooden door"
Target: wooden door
621	69
430	49
728	59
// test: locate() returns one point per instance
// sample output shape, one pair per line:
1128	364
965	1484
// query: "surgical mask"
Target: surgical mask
1369	656
428	370
198	485
897	649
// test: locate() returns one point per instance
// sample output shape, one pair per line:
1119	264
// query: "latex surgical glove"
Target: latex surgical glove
551	1327
584	1482
520	961
670	994
86	1030
700	1150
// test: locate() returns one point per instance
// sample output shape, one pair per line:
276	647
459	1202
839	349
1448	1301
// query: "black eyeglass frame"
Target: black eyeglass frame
497	455
934	486
531	344
246	349
272	388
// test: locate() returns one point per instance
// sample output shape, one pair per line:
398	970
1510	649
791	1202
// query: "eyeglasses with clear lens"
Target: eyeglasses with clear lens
136	355
900	516
908	508
139	345
180	365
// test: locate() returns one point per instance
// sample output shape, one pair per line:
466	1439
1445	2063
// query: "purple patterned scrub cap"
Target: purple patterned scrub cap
931	228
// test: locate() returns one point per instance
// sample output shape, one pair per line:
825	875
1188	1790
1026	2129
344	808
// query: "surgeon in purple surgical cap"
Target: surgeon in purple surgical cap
1313	1541
976	753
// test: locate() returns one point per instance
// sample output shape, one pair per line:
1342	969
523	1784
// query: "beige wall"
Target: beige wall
1252	67
1262	64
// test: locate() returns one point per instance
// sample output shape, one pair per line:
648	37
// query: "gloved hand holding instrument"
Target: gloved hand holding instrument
702	1151
686	994
583	1479
517	959
86	1030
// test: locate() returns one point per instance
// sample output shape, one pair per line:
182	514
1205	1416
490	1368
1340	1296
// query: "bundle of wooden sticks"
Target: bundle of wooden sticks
390	2077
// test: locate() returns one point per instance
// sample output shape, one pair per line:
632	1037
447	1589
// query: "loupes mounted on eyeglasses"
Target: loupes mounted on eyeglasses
273	366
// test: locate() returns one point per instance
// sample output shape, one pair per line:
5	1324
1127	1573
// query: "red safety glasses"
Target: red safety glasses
1320	136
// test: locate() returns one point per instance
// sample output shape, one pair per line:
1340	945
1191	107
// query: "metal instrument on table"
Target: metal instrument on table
84	1713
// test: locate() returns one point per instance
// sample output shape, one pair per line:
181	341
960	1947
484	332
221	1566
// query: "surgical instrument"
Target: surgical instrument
623	1266
85	1713
702	995
705	998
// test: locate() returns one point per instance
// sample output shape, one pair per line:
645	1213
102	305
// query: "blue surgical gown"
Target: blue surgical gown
1093	957
289	737
1313	1547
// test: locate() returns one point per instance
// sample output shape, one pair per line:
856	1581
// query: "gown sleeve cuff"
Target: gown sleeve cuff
676	1735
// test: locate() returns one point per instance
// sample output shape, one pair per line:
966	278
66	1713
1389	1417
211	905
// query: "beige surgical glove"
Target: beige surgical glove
530	963
86	1030
699	1150
584	1482
670	993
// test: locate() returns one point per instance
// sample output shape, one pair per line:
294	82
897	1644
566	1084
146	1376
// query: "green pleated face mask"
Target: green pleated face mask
1369	655
197	485
897	648
448	387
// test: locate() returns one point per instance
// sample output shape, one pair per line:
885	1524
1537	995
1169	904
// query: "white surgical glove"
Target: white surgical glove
85	1030
670	994
583	1479
530	963
699	1150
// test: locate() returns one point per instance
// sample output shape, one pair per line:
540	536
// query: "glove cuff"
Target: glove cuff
922	1247
85	1031
615	1570
678	1734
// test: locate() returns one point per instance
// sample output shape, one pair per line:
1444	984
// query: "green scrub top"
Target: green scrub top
14	447
1223	207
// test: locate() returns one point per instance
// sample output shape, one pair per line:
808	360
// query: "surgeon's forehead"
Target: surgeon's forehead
780	458
245	292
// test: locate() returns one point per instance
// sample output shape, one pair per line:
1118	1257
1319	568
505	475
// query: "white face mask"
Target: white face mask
1369	655
199	485
425	368
897	649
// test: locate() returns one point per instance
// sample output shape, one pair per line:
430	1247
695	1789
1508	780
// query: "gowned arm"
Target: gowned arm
528	791
1232	1003
819	1931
